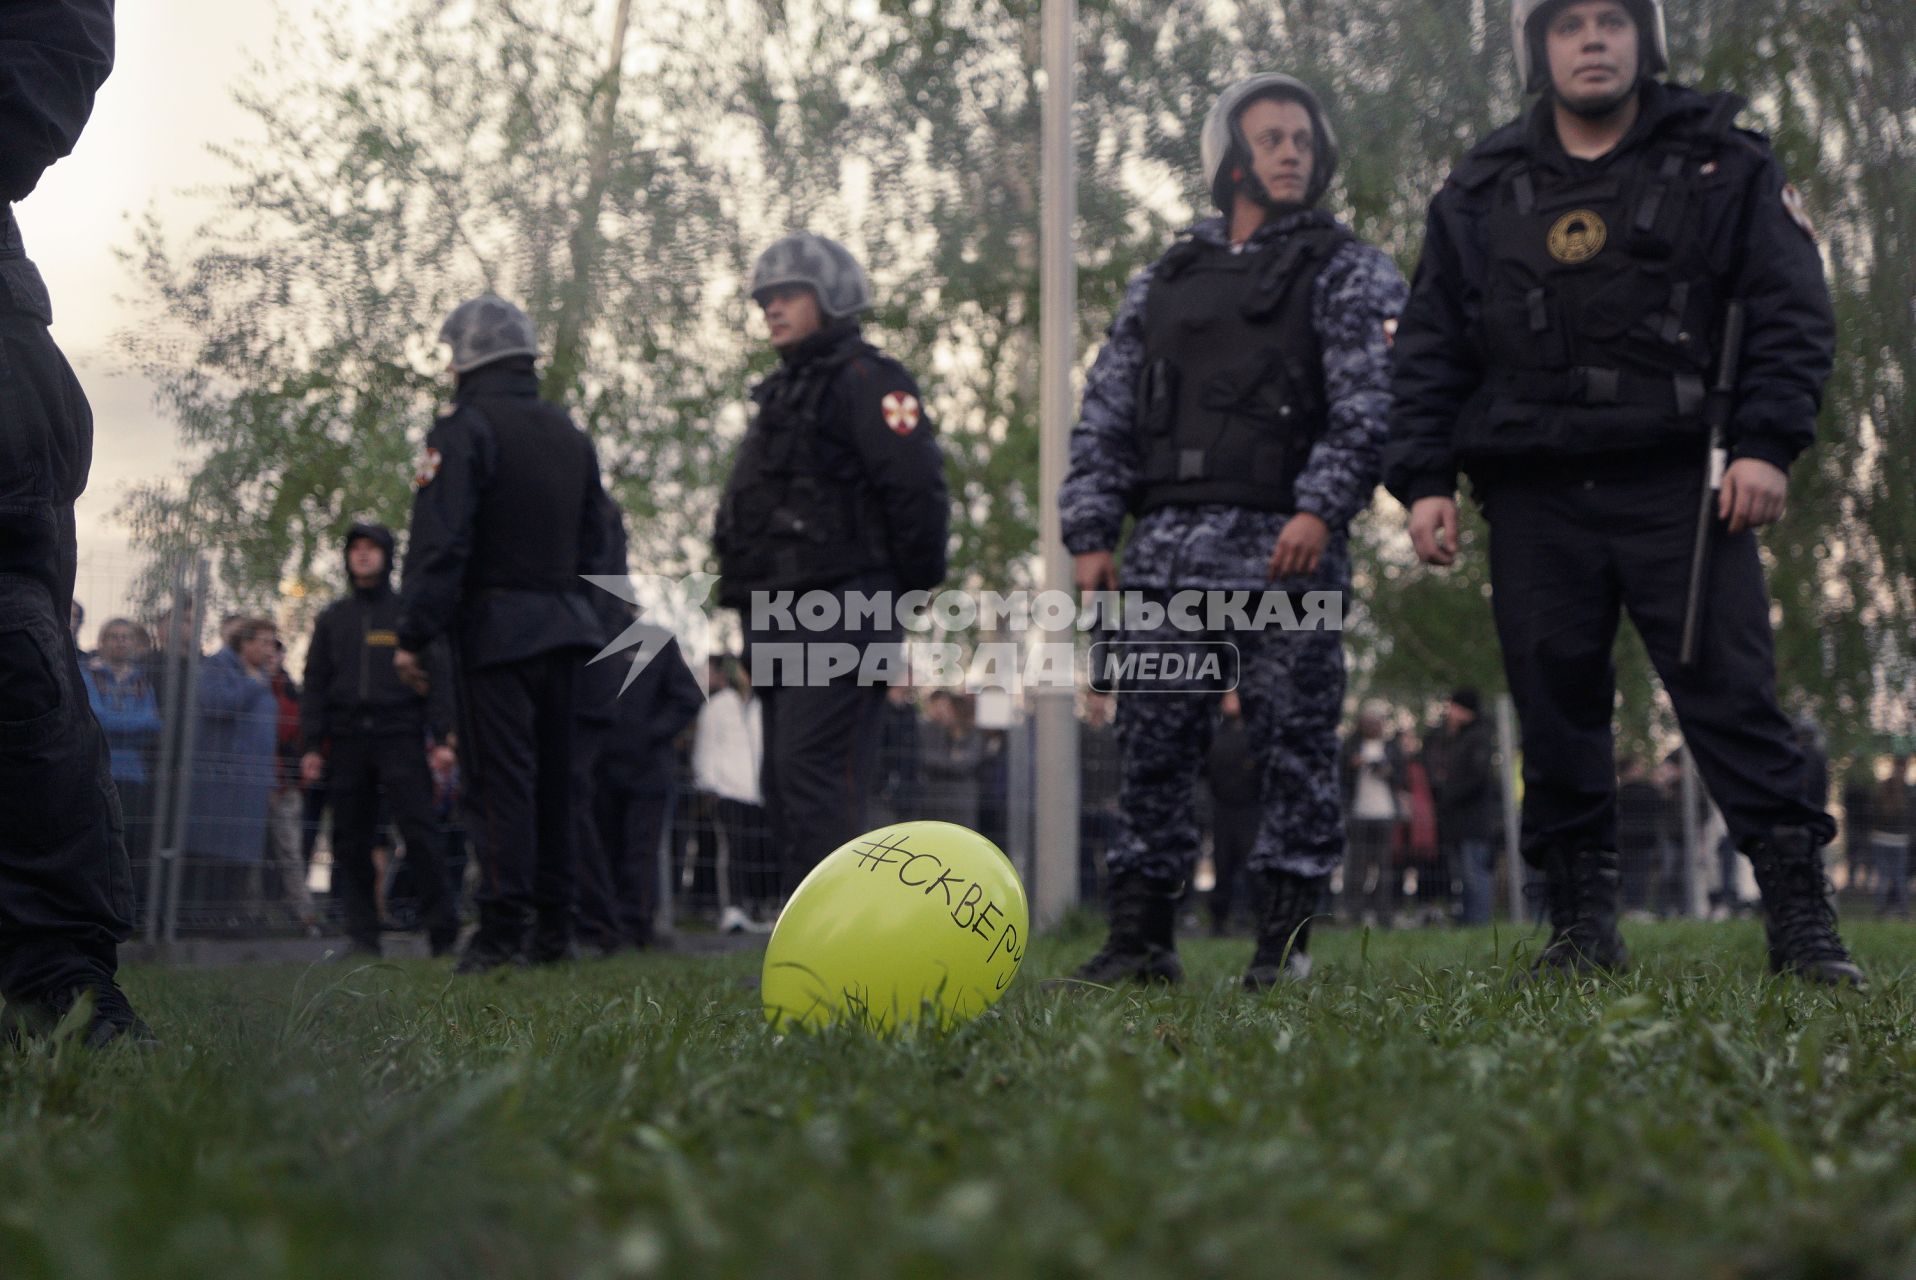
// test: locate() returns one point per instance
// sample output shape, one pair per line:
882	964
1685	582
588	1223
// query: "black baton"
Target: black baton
1717	415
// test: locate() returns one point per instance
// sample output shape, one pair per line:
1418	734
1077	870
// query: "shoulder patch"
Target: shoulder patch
1798	209
901	412
426	469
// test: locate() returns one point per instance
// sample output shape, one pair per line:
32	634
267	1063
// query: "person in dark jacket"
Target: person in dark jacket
128	710
838	489
369	736
66	896
1639	816
1237	797
1462	760
1583	271
508	515
635	794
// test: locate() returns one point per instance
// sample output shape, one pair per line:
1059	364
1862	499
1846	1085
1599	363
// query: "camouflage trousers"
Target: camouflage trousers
1291	686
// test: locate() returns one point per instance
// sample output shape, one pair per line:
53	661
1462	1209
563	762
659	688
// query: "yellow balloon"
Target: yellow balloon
914	919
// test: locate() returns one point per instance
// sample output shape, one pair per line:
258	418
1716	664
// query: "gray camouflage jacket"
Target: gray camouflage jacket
1225	547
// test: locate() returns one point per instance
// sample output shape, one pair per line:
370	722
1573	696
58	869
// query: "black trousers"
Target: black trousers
619	888
1233	833
820	758
371	776
1567	557
515	743
66	894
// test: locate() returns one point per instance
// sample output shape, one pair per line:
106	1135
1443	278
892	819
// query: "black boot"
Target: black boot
1286	905
1142	946
1581	895
1797	913
112	1019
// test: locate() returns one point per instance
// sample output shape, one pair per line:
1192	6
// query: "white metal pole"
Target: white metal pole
1055	858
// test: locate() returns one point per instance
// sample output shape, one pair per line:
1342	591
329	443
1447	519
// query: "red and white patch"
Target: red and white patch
426	469
901	412
1799	211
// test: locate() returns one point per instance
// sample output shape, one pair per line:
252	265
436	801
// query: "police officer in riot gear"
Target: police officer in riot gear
508	513
1579	273
1238	412
65	890
367	733
838	487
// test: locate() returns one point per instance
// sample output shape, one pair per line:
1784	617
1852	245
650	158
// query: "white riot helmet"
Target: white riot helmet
1526	32
826	267
1225	150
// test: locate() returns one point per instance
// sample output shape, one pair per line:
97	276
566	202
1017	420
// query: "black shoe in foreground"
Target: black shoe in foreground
1798	915
1283	930
1142	946
112	1020
1580	893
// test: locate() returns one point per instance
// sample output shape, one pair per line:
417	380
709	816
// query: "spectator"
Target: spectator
1416	836
950	753
728	759
1235	776
1859	802
129	714
76	618
283	806
635	794
994	785
895	798
1639	816
234	758
1890	830
1098	774
1374	782
1462	759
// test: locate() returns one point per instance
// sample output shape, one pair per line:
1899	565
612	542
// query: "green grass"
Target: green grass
1408	1113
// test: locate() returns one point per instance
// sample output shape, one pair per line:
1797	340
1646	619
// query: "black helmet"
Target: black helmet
487	328
826	267
1225	149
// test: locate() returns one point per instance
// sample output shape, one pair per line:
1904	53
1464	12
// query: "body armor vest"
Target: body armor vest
1231	398
789	519
526	529
1602	302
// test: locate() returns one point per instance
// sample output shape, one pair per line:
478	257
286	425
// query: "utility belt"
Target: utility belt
1683	395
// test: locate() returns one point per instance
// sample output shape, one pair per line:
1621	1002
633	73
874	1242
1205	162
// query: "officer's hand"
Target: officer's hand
312	767
1433	530
1095	571
1300	547
411	671
1754	494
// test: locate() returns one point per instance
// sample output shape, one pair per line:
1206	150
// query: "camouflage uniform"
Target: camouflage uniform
1292	682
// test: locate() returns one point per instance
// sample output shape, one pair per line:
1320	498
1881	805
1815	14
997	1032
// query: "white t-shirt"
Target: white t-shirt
1373	800
728	747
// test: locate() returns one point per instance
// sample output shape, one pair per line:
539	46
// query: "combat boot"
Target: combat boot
1142	946
110	1021
1580	893
1283	929
1798	917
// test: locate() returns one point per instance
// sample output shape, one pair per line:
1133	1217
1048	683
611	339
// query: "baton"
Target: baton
1717	415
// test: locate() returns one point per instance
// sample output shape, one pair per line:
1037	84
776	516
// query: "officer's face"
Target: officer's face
1282	147
791	314
1592	46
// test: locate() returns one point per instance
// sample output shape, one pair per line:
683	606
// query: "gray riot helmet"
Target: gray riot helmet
487	328
826	267
1227	153
1526	32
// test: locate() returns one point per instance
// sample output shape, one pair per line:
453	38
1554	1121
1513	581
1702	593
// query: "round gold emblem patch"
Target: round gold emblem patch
1578	237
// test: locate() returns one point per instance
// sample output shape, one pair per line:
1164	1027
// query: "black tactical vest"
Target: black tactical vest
526	528
791	520
1602	302
1231	397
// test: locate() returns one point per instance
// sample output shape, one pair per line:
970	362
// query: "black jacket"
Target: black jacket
1463	781
660	702
1759	253
54	55
351	687
508	512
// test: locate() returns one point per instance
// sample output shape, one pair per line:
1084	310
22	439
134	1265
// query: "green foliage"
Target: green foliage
1407	1114
455	149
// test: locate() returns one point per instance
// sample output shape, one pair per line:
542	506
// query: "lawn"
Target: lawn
1407	1113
